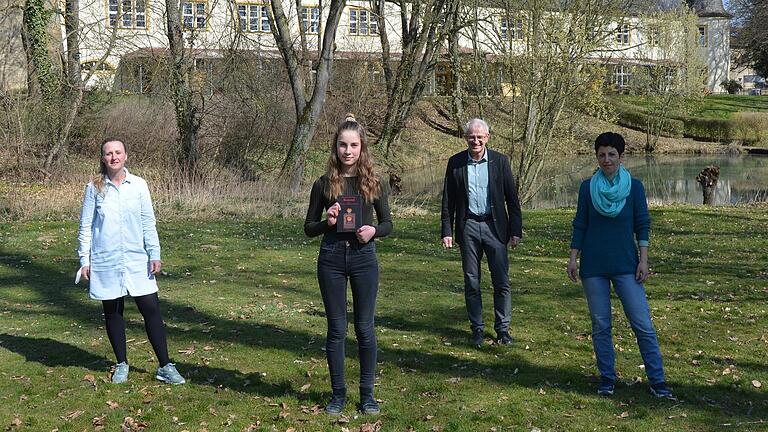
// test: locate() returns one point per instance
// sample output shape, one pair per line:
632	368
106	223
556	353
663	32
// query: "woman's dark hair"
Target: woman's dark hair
610	139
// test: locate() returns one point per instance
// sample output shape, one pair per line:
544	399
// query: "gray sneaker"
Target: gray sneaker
120	374
169	374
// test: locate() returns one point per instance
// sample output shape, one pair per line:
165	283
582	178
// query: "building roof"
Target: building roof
708	8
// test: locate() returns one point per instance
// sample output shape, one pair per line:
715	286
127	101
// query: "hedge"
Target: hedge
636	119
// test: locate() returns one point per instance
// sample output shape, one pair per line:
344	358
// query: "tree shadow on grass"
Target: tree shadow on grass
190	324
53	353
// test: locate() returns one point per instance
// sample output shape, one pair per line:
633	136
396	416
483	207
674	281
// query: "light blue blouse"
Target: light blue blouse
118	238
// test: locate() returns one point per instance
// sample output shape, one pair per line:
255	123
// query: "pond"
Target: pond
667	179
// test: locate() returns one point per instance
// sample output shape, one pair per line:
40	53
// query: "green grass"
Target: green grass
713	106
246	326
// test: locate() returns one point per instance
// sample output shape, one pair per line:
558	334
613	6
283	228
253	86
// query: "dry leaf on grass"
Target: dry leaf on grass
112	404
131	425
756	384
371	427
16	422
625	414
71	416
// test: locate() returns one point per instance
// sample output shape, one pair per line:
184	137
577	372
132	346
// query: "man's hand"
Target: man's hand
447	242
85	272
514	241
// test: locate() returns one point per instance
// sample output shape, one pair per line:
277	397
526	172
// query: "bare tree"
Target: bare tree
670	81
308	98
751	33
531	61
425	27
188	119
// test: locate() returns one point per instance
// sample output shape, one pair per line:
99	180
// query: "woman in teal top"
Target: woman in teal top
611	225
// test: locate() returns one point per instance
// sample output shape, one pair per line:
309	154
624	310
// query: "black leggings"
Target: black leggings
149	306
338	262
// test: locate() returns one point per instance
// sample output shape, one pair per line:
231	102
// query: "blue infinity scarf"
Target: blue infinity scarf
609	198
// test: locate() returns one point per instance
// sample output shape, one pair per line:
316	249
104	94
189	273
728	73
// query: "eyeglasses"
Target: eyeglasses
474	137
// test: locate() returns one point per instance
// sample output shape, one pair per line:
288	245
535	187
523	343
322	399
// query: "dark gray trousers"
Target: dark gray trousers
479	238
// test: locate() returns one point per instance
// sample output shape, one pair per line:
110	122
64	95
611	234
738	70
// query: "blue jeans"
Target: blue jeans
632	296
338	262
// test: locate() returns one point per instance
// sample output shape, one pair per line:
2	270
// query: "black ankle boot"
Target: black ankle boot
336	405
368	405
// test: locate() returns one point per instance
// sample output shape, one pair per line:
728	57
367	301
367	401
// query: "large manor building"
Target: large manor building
122	38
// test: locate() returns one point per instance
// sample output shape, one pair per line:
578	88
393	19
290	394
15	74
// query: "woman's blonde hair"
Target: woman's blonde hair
98	179
367	179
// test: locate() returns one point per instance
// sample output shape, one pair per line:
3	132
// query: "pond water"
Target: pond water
667	179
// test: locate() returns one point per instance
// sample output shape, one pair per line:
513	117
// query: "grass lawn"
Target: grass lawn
714	106
246	327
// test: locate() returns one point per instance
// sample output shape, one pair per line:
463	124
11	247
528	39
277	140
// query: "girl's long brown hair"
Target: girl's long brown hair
98	179
367	178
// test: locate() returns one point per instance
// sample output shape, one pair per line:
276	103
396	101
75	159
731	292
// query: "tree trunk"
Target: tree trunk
708	178
72	27
187	116
41	74
307	112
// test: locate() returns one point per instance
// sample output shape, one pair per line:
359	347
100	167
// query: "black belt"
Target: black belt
483	218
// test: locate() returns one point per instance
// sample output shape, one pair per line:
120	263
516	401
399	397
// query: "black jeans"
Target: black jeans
338	262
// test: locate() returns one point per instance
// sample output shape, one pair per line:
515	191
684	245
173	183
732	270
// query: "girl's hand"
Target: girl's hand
365	233
333	213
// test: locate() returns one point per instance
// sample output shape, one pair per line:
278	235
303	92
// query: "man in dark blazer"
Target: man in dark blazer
481	211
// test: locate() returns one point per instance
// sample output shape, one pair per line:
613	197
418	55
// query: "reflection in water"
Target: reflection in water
667	179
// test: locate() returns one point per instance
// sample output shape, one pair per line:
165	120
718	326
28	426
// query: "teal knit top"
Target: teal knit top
609	245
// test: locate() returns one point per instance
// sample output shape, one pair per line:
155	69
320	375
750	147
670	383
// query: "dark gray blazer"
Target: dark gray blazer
505	205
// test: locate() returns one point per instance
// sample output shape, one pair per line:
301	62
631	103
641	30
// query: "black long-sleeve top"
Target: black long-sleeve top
314	224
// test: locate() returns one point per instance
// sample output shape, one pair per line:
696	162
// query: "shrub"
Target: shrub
709	129
751	126
731	86
636	119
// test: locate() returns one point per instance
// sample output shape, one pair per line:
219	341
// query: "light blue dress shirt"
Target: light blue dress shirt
118	238
477	185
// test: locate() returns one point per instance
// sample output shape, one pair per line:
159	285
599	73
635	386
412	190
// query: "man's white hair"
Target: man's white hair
476	121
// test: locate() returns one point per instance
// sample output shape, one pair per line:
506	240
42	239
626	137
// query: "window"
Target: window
622	34
253	17
127	14
94	66
622	75
194	15
362	22
310	19
512	28
654	34
703	36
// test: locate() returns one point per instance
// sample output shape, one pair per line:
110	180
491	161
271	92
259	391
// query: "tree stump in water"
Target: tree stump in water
708	178
395	184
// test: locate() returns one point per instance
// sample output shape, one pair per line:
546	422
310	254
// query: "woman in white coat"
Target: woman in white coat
120	256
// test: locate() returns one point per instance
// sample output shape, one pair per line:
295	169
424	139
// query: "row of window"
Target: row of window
513	29
131	14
